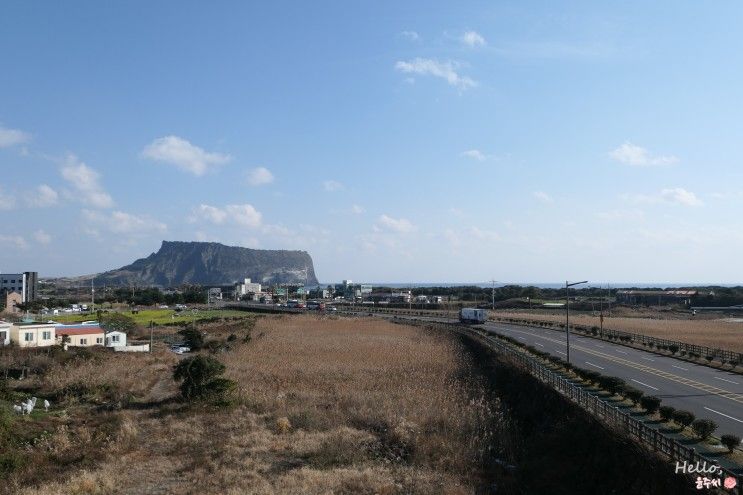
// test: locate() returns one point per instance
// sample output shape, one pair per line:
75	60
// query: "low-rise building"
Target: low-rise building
4	333
82	335
115	338
33	334
12	300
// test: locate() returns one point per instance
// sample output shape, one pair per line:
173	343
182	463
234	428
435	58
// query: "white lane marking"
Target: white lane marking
648	359
679	367
599	345
723	414
520	337
620	351
641	383
540	345
724	380
560	352
594	365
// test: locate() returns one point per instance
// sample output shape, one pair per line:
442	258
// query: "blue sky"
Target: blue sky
394	141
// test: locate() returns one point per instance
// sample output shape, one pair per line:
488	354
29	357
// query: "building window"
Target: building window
28	337
114	338
46	335
83	341
99	340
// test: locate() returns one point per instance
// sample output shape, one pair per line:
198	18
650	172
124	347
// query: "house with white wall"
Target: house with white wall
115	338
4	333
33	334
79	335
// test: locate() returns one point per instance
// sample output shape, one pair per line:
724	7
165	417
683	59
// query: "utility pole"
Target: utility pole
567	316
493	281
601	316
92	294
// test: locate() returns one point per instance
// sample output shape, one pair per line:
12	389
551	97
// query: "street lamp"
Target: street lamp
567	316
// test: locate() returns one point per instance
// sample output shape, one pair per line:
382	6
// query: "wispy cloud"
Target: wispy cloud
475	155
86	182
672	196
120	222
12	137
332	185
410	35
260	176
44	196
543	197
397	225
472	39
631	154
244	215
430	67
15	241
358	210
42	237
7	201
184	155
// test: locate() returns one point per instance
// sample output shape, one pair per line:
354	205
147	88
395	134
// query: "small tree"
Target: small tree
200	376
704	428
192	338
673	348
730	441
650	404
684	418
666	413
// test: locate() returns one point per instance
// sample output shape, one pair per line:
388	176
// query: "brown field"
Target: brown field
720	333
323	406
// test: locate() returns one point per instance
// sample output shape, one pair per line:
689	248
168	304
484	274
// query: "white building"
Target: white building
115	339
82	335
26	284
4	333
247	287
33	334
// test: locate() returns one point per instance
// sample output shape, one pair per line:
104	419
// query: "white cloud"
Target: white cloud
631	154
542	196
443	70
475	155
12	137
14	241
184	155
672	196
627	214
260	176
332	185
7	201
358	210
42	237
398	225
411	35
244	215
45	196
119	222
472	39
86	181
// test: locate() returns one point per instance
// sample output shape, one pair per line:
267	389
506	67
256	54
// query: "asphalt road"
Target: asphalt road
706	392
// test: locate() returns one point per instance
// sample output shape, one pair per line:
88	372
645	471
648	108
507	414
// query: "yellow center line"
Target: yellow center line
653	371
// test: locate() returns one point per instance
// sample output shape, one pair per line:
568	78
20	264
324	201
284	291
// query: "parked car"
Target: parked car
180	349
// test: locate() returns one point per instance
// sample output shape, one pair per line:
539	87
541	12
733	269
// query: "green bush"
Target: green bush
666	413
730	441
673	348
634	395
200	376
683	418
704	428
192	338
650	404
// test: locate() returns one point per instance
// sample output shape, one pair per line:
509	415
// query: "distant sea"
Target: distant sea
541	285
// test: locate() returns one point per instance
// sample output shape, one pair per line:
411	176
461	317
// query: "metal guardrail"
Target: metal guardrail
603	411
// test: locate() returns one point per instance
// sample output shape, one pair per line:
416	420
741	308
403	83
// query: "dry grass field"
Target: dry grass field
721	333
324	405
